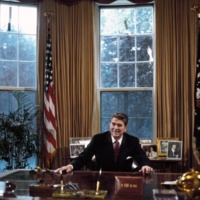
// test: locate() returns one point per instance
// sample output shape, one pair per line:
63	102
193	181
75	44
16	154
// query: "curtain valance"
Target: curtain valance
71	2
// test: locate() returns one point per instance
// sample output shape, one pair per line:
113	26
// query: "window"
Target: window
127	67
18	28
18	35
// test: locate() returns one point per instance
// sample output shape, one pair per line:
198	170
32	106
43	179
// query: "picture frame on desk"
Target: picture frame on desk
175	150
145	142
162	144
76	149
77	145
80	140
150	150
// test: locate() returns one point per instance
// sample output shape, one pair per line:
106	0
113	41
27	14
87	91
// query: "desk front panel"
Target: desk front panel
86	180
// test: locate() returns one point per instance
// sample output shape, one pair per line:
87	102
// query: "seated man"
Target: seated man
114	150
172	153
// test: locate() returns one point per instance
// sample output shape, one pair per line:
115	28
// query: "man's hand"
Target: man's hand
68	168
146	170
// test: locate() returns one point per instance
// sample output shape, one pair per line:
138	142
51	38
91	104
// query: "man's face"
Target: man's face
173	146
117	128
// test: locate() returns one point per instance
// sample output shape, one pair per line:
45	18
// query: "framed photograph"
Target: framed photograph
76	149
162	144
145	142
150	150
174	150
80	140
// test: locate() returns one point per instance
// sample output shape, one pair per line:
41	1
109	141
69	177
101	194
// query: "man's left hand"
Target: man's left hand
146	170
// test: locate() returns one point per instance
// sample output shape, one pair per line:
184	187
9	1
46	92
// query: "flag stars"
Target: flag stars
48	65
197	94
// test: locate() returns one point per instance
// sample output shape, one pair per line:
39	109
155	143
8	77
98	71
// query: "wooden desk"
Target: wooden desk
85	180
159	164
162	164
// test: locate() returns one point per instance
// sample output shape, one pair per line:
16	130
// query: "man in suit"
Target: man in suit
102	146
172	153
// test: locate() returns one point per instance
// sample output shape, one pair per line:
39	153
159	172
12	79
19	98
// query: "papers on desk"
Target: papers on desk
170	182
2	187
168	195
69	186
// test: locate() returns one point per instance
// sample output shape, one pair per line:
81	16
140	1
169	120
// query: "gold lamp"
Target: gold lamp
189	182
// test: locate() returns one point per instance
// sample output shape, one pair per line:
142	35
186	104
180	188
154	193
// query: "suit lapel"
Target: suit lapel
110	152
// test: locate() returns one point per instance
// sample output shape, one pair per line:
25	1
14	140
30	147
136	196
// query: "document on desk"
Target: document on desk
2	187
170	182
163	194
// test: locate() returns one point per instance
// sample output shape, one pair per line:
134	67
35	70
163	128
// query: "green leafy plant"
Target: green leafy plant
20	133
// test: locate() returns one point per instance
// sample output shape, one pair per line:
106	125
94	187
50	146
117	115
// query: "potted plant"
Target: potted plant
19	133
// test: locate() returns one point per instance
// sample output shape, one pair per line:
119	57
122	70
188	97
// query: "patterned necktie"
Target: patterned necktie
116	149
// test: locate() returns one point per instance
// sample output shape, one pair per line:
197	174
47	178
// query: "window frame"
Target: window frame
18	88
122	89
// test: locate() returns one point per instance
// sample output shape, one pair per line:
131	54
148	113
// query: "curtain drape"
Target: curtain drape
176	41
73	69
72	2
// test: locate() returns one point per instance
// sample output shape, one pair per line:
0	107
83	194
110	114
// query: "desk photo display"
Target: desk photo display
174	150
150	150
77	145
162	144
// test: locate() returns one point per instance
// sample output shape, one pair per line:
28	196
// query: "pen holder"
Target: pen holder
80	194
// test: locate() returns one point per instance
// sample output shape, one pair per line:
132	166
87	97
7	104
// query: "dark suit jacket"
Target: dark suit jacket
101	146
171	154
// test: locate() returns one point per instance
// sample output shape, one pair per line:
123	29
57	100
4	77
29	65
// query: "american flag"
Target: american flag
197	98
49	106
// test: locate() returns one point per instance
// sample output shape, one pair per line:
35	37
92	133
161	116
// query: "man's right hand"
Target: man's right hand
68	168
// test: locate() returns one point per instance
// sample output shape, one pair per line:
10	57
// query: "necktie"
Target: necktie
116	149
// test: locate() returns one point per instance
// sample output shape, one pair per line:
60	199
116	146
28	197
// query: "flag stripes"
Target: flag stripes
49	147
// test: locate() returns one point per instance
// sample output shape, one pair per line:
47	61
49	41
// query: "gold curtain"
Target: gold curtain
73	68
176	41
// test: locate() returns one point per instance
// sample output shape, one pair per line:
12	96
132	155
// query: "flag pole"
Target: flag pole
49	101
48	15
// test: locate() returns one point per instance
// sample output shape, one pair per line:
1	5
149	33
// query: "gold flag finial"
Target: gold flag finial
48	15
196	8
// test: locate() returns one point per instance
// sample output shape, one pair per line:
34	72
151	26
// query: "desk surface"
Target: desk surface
85	180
